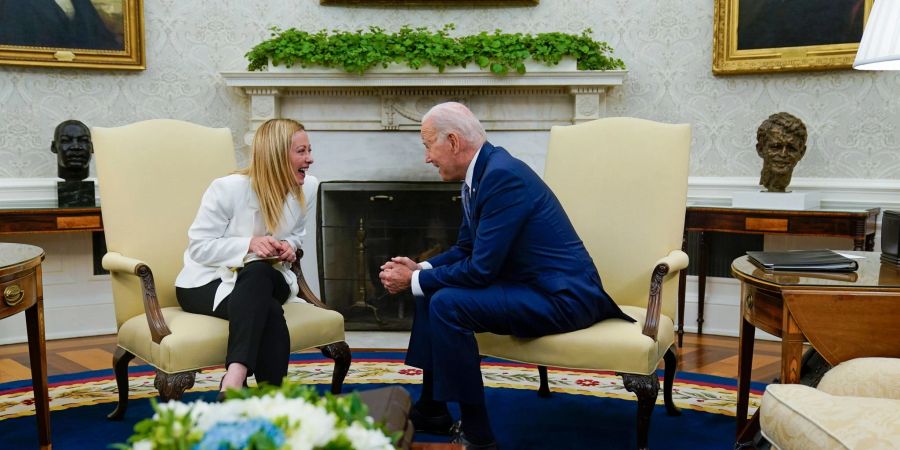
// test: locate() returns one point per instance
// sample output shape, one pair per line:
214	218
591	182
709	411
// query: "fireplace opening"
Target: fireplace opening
364	224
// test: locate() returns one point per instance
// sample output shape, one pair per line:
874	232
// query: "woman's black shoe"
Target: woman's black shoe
220	397
439	424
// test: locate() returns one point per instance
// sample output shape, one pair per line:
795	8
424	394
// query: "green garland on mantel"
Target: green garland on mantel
357	51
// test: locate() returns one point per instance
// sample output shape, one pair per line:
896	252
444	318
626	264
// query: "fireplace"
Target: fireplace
362	224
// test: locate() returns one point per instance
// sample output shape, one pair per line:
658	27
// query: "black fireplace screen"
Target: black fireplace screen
364	224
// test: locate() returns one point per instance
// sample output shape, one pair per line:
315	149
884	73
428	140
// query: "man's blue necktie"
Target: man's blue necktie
465	202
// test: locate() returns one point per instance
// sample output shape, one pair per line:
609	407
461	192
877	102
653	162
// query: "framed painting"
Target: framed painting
94	34
751	36
430	2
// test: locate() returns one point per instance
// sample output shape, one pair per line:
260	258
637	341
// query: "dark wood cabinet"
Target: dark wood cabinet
50	220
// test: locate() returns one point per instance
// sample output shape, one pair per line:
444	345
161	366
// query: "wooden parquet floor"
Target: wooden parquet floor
711	355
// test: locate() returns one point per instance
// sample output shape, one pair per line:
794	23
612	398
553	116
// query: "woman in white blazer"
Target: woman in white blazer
242	244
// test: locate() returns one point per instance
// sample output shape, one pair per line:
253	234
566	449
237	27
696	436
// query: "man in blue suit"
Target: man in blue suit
518	268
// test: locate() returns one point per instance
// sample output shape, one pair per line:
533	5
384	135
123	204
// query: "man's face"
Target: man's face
73	147
781	151
444	154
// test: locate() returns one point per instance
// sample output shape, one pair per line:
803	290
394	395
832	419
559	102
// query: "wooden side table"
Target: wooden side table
50	220
842	315
22	290
858	225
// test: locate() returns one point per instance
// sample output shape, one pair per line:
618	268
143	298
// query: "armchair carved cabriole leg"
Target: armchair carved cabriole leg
646	387
171	386
340	353
120	365
544	390
668	380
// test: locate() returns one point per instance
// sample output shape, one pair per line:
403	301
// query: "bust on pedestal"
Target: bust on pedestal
781	143
73	148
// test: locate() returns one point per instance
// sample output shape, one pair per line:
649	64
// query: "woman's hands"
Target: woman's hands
268	246
287	252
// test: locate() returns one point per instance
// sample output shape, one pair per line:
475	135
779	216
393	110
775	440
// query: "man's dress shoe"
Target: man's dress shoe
430	424
460	438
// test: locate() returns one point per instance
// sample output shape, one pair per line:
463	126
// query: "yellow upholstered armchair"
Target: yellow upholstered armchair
152	175
856	405
623	183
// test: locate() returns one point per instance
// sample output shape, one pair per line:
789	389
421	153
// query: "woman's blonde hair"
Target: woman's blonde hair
270	169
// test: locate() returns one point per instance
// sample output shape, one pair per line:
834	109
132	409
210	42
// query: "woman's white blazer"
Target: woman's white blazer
227	219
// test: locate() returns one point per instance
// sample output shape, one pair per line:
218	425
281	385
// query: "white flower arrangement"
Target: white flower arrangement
292	417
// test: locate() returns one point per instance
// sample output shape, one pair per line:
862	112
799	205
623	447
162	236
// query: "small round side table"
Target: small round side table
21	290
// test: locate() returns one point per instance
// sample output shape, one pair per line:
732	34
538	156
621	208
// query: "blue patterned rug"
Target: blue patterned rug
588	410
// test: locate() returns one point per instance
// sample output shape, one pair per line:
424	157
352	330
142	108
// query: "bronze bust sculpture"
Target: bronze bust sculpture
781	143
73	148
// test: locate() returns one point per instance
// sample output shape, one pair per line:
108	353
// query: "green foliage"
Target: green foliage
168	431
358	51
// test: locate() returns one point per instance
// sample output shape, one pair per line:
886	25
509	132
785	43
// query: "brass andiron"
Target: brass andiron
361	280
361	263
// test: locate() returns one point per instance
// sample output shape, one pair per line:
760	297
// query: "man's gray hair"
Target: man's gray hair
452	117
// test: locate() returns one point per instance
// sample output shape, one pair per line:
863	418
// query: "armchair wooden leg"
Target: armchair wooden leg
171	386
340	353
120	366
669	379
544	390
646	387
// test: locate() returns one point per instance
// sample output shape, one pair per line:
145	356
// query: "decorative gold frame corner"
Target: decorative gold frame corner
728	60
133	57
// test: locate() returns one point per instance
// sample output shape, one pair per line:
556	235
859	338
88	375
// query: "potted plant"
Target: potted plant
415	48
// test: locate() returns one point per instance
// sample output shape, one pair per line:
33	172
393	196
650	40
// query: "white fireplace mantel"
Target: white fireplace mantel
337	101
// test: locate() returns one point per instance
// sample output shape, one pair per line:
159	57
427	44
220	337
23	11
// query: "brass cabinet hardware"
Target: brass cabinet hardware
13	295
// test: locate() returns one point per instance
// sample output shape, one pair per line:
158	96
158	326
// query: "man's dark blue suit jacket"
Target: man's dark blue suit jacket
519	233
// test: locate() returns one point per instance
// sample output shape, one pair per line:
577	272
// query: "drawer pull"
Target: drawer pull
389	198
13	295
749	301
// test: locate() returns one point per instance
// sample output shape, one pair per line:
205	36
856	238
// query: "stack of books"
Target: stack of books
803	260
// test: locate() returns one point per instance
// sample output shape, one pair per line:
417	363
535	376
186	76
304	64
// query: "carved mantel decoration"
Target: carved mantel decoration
336	101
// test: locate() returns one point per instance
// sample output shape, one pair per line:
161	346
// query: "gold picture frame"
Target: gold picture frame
750	36
109	34
429	2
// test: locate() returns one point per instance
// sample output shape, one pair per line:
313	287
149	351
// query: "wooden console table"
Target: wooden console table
50	220
842	315
20	283
858	225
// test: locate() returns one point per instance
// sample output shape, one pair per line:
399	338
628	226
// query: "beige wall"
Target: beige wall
852	116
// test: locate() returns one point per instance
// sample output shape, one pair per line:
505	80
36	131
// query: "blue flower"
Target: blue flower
229	435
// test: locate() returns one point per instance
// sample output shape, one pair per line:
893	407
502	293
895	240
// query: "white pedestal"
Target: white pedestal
776	200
